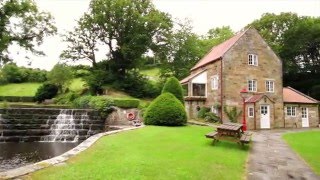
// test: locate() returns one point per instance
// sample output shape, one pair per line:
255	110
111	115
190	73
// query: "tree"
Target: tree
22	23
173	86
129	29
185	47
272	27
61	76
83	41
181	52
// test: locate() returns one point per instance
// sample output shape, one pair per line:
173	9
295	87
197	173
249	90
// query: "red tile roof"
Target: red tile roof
291	95
256	98
191	76
218	51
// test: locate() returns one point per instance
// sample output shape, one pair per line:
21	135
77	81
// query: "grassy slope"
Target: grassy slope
307	145
77	84
19	89
152	73
154	153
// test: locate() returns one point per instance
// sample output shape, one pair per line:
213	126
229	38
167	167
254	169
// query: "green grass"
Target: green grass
19	89
307	145
154	153
152	73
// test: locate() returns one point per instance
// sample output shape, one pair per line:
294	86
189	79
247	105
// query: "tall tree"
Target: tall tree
272	27
23	24
129	29
83	41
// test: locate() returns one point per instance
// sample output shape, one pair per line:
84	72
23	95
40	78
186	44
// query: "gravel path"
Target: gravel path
271	158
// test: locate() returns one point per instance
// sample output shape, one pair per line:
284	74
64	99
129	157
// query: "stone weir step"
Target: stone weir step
48	111
45	132
49	121
48	126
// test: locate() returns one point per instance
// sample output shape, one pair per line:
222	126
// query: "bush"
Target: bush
100	103
202	112
173	86
165	110
126	103
82	102
137	85
211	117
46	91
67	98
232	113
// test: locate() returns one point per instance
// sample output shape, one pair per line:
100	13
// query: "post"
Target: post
244	127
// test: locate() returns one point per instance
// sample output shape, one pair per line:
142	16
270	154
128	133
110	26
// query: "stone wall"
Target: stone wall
119	117
31	124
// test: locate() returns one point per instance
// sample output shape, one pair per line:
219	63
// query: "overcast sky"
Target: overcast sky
204	14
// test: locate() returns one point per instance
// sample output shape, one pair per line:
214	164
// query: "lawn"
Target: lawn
307	145
154	153
19	89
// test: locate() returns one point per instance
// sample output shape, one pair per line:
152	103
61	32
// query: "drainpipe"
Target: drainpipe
254	116
221	87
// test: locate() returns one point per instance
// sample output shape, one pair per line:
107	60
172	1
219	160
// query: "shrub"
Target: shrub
202	112
66	98
100	103
165	110
211	117
232	113
137	85
126	103
173	86
82	102
46	91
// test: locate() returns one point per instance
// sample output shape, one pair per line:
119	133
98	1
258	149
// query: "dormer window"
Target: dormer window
253	59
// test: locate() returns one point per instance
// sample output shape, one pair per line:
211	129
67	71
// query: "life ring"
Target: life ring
131	116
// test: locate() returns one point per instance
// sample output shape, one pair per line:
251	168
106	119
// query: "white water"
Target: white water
64	128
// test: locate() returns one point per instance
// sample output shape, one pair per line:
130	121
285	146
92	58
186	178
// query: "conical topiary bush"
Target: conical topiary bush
165	110
173	86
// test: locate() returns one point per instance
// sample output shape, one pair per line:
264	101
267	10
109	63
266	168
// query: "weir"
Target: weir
49	125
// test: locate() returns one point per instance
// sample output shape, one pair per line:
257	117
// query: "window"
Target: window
270	86
215	82
198	89
250	112
291	111
252	85
253	59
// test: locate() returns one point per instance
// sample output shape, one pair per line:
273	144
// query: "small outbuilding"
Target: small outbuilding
300	110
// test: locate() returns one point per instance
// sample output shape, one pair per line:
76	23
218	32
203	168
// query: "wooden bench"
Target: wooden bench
245	138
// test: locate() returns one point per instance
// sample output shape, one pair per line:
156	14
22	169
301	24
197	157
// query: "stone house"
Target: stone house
244	61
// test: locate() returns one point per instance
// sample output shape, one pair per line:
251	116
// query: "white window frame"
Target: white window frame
214	110
249	112
291	111
269	85
215	82
252	59
253	87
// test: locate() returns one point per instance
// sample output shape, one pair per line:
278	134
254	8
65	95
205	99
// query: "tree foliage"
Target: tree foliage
61	76
22	24
11	73
46	91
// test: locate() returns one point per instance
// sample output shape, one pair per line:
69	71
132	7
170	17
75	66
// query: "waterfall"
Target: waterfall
66	127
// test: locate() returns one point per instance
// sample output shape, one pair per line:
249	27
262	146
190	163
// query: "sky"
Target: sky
204	15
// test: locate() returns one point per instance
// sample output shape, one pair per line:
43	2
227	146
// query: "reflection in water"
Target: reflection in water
13	155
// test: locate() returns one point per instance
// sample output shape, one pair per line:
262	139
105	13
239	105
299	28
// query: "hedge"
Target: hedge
17	98
173	86
165	110
126	103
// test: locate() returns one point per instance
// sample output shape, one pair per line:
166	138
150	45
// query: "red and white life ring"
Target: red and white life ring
131	116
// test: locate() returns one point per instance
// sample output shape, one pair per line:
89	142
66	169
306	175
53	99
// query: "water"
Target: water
13	155
64	127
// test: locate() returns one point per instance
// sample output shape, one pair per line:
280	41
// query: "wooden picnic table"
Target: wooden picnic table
231	132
